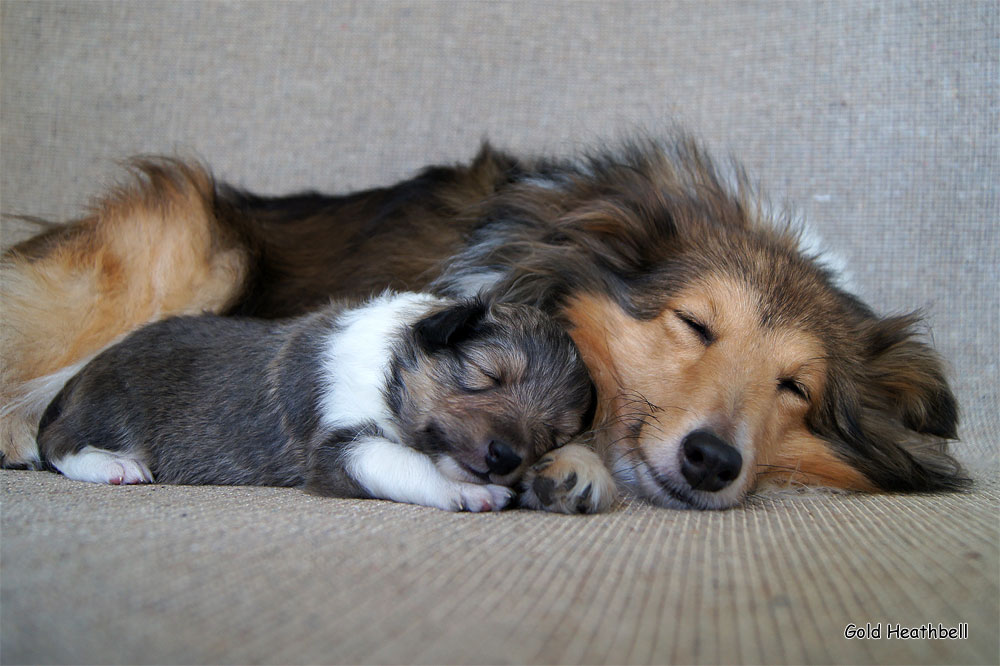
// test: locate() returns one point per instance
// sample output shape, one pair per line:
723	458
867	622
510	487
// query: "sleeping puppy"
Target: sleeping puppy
407	397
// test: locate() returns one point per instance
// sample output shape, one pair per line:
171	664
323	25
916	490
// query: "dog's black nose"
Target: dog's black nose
501	459
709	463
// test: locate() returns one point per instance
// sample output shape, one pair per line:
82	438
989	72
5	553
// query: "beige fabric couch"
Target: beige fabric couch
878	120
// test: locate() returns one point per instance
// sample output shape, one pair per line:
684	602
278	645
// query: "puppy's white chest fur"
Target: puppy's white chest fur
356	361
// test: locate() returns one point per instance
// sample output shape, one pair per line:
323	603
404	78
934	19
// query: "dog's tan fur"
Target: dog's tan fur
627	249
679	383
146	252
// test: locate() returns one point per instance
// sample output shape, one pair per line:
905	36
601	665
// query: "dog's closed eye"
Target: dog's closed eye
794	387
704	334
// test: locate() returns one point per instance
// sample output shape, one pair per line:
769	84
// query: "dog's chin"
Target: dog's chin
667	488
459	471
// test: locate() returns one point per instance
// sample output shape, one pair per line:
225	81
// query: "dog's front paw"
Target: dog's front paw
572	479
478	498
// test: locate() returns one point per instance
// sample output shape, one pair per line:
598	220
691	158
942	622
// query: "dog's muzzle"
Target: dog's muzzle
709	463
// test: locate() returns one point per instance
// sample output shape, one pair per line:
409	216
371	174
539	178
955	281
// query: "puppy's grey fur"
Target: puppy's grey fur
406	397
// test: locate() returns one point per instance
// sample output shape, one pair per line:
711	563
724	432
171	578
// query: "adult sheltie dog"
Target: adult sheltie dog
725	356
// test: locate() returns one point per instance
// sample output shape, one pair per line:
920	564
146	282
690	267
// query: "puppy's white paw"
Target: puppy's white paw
572	479
478	498
98	466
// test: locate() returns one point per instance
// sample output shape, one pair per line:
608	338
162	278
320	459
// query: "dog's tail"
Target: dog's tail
150	249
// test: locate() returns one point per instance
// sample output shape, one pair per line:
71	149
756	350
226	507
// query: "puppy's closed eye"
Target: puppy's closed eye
477	379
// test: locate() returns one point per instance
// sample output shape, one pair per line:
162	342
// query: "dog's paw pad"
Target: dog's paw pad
544	489
572	479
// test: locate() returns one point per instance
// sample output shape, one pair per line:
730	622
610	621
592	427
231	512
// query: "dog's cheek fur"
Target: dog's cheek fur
804	459
431	416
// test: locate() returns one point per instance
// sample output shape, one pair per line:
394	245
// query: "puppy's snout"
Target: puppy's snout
709	464
501	459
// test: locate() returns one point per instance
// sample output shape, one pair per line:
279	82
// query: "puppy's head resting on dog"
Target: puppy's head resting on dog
485	389
725	354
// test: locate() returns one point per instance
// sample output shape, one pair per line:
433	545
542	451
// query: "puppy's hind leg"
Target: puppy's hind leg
63	442
387	470
99	466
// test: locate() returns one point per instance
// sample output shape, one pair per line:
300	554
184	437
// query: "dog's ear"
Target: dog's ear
905	412
908	378
450	326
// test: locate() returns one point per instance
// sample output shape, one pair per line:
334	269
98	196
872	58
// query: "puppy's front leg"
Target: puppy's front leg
571	479
387	470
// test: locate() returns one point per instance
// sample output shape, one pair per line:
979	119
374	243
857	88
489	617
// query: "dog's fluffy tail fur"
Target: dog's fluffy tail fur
151	249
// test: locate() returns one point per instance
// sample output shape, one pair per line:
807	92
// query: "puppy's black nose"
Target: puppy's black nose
501	459
709	463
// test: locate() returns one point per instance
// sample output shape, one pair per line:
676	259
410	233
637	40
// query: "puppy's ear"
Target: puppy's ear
450	326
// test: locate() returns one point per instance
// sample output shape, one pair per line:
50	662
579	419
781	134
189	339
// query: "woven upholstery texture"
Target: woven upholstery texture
876	121
240	575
